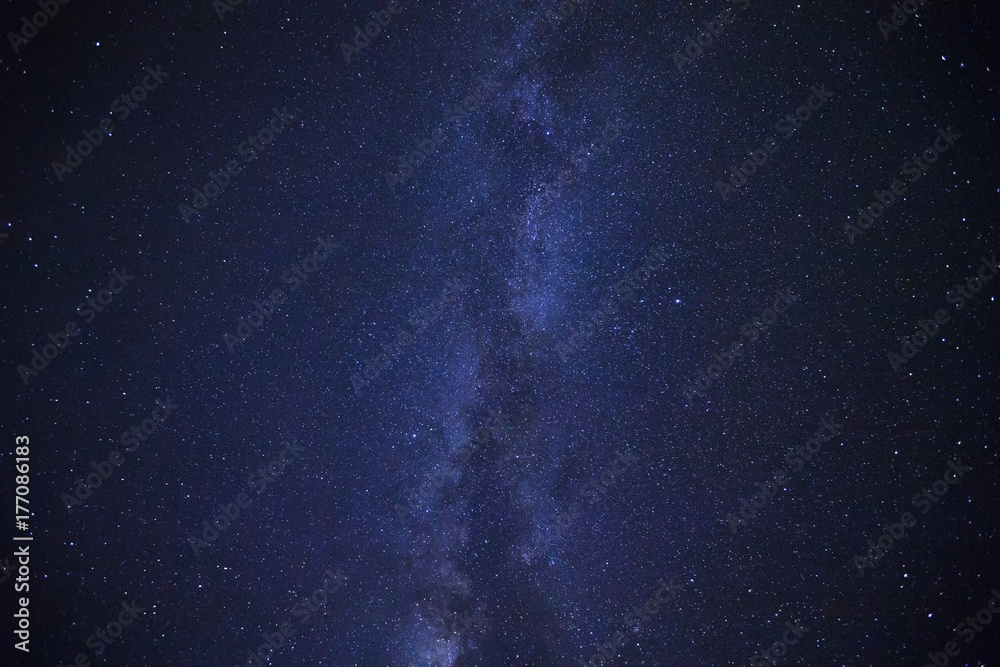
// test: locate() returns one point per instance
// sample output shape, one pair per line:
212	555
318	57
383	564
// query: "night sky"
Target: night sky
501	333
